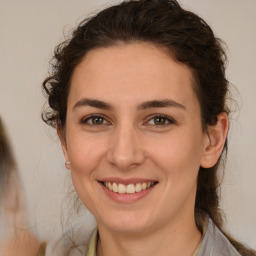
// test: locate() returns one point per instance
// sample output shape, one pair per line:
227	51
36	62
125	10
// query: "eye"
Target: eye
94	120
160	120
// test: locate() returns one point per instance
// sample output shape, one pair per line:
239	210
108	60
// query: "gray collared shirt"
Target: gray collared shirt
214	243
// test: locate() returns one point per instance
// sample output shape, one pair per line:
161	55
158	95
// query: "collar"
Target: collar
93	240
92	243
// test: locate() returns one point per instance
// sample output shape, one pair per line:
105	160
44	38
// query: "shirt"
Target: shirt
213	243
92	245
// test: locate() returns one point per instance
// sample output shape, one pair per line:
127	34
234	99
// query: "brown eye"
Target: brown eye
94	120
159	120
97	120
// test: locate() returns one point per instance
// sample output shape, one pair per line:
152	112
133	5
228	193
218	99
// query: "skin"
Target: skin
23	244
15	237
131	143
20	241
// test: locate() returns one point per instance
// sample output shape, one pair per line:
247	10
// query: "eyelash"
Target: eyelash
91	117
161	116
85	121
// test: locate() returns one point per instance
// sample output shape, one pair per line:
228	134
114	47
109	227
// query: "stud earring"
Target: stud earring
66	164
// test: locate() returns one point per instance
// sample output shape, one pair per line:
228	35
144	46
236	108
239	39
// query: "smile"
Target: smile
129	188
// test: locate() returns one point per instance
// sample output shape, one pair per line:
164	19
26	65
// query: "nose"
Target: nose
125	150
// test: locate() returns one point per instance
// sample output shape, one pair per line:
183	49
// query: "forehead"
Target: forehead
137	70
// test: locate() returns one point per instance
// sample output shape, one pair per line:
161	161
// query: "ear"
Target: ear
215	140
61	135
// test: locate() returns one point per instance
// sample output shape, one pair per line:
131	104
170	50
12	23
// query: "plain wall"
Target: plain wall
30	29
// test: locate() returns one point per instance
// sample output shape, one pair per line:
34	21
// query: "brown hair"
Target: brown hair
189	40
7	162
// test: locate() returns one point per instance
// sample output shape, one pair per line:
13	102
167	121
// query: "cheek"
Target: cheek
178	154
85	152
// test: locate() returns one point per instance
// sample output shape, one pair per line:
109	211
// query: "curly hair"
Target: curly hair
187	38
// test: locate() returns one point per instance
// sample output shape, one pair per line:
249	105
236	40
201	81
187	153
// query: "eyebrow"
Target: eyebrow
93	103
145	105
160	104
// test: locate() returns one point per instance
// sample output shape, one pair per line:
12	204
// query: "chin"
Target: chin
126	223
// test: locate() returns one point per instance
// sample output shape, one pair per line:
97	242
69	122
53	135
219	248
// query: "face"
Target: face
134	138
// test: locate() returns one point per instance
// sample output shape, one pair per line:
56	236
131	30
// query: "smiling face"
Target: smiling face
134	137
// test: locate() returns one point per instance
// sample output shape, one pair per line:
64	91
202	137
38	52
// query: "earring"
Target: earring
66	164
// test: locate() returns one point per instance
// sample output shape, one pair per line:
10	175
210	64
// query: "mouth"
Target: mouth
131	188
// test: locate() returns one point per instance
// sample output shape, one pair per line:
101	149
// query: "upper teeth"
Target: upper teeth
129	189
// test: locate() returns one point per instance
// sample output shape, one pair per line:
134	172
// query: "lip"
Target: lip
126	181
126	198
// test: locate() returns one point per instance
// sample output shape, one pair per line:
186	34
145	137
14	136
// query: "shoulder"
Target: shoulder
73	242
215	243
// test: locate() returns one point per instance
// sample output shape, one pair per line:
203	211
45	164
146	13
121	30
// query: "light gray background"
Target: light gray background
30	29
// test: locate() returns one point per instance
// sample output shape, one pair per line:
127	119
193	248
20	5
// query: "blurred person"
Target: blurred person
15	238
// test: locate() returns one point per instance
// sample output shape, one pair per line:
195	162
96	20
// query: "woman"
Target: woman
138	97
15	238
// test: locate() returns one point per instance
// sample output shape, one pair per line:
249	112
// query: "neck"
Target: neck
181	238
